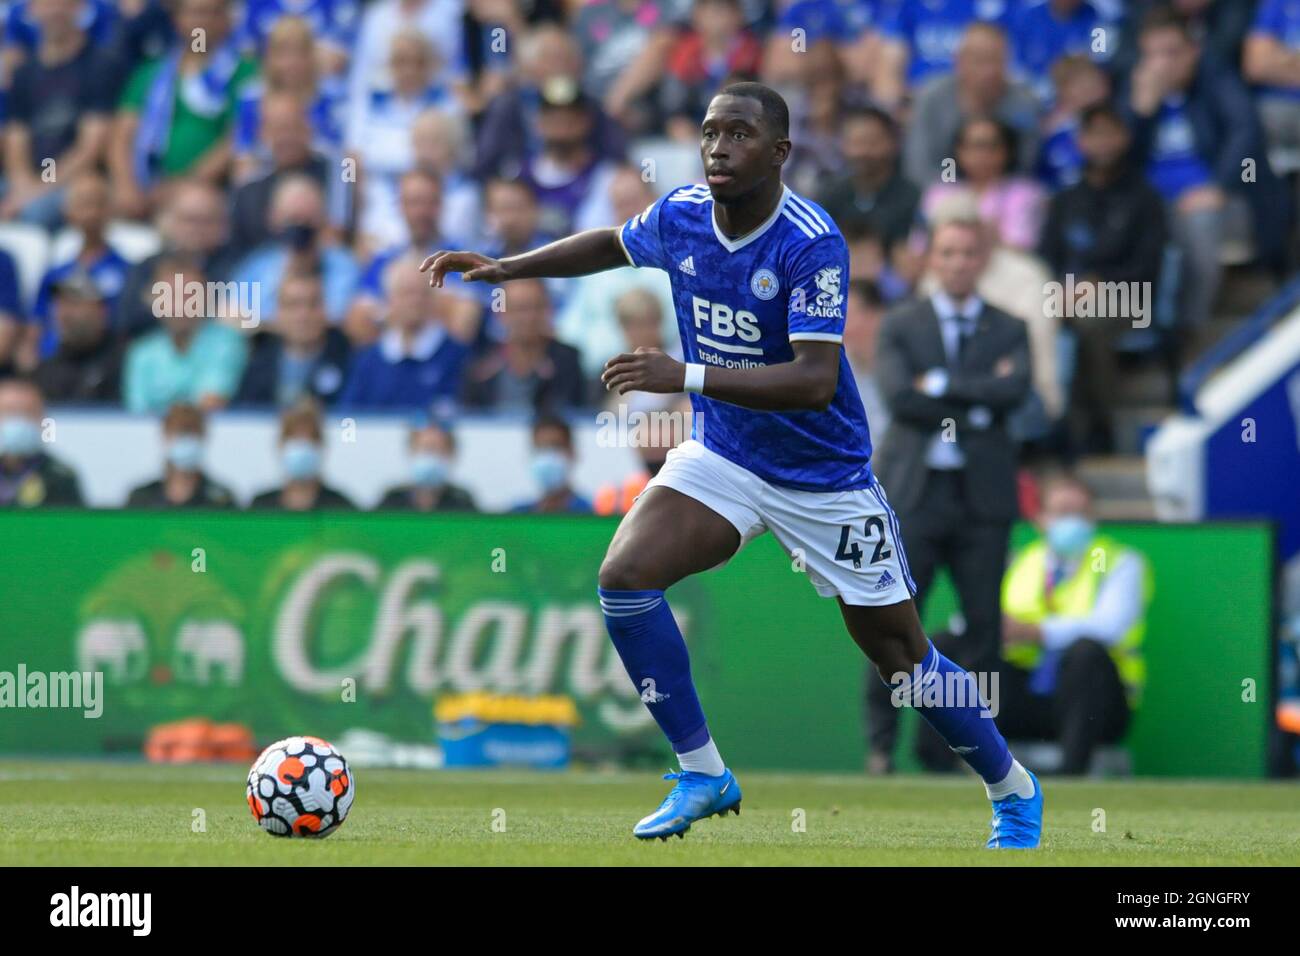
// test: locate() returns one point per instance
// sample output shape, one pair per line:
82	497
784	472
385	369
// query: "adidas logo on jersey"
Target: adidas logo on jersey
887	580
687	265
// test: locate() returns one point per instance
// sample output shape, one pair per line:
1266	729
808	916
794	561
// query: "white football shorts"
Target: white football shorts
848	541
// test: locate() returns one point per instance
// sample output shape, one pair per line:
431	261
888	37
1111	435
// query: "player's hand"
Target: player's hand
645	370
473	266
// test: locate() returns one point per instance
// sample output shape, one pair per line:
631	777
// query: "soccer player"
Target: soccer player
780	443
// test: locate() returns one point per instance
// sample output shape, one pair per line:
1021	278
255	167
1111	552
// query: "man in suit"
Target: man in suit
951	369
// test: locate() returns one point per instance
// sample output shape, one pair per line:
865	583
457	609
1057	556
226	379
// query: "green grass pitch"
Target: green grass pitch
62	813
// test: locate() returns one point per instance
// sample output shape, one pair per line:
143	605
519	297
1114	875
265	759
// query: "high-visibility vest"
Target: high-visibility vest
611	499
1025	597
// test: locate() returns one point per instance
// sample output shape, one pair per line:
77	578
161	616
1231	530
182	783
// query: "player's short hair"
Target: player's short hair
775	111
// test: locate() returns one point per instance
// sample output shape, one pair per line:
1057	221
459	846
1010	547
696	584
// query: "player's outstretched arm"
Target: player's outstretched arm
583	253
807	383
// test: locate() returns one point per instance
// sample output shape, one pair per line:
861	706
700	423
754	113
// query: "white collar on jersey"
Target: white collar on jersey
731	245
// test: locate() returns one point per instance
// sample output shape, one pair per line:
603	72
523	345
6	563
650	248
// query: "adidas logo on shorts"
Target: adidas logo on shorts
887	580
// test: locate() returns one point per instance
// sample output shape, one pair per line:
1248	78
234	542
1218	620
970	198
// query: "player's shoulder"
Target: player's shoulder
808	236
688	200
808	220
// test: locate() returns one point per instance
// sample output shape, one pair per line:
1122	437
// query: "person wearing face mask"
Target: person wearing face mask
183	483
301	243
87	366
432	451
30	478
1074	605
301	459
551	466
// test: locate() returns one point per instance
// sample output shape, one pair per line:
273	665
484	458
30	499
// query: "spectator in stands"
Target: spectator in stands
1041	34
508	130
194	225
952	369
848	31
979	85
193	358
300	243
145	31
57	115
625	46
15	334
438	142
1271	60
379	125
864	312
333	24
1074	605
872	190
1079	84
1220	26
589	321
709	53
86	208
1110	227
817	113
29	477
176	114
1196	126
438	20
432	453
668	424
301	458
1012	204
286	134
1014	281
302	356
24	24
570	179
923	40
87	366
530	371
420	203
512	218
291	66
416	364
551	466
183	484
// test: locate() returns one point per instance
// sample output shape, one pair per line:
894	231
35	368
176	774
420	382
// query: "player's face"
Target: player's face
738	148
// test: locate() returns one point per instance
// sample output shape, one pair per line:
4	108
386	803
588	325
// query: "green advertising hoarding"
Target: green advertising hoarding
323	623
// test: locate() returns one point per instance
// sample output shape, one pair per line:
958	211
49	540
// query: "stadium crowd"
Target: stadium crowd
303	156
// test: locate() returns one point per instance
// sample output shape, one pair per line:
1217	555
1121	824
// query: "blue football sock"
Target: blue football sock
948	697
648	640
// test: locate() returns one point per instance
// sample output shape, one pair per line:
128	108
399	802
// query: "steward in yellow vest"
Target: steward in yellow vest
1074	609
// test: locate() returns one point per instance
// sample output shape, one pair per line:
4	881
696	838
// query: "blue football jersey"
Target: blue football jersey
740	303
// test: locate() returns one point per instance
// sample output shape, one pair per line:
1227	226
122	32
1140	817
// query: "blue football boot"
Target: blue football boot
1017	822
696	796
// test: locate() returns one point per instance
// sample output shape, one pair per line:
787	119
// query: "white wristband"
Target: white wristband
694	378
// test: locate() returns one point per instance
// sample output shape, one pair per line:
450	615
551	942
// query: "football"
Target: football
300	787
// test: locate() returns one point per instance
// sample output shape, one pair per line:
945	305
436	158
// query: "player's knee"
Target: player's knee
624	574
